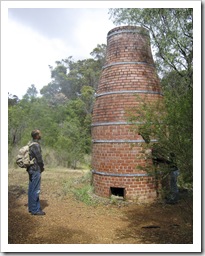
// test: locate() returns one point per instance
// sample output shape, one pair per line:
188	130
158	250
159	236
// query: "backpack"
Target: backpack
23	157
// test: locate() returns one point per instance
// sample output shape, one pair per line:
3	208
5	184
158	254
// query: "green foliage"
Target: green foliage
171	33
69	77
31	93
170	122
99	54
80	188
72	139
82	194
12	100
63	113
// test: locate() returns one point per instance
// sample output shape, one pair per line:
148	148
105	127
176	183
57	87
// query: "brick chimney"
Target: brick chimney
128	75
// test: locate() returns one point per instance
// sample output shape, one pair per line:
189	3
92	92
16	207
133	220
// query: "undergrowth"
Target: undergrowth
83	191
83	194
81	188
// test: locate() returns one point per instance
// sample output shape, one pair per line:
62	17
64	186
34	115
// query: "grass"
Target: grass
80	187
63	182
82	194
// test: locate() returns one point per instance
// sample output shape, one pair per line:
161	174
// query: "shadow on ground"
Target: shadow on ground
161	223
24	228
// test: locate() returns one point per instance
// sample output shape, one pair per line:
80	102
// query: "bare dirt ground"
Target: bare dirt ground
71	221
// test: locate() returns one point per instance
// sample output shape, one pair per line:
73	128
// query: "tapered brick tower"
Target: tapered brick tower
128	72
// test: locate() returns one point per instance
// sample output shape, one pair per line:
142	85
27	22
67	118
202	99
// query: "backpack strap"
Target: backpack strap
29	145
32	143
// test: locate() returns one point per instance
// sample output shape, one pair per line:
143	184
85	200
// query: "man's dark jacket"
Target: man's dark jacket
35	152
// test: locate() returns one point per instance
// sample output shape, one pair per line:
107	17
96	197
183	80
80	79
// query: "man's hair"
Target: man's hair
34	133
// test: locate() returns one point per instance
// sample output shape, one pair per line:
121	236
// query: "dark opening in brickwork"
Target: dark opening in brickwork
117	191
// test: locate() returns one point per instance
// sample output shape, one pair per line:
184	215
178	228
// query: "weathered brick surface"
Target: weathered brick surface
131	76
131	46
128	77
115	107
114	132
117	157
135	188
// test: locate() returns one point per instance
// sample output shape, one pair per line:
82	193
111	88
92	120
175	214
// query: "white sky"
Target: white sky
39	37
38	33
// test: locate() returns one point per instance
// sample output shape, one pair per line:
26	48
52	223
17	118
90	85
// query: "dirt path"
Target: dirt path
70	221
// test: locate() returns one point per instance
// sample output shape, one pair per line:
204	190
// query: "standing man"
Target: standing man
34	172
174	173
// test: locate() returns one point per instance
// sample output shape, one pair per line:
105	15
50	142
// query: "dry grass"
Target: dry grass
68	220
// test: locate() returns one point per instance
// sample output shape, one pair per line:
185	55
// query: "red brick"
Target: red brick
123	158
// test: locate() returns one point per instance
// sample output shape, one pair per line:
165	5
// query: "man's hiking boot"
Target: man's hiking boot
39	213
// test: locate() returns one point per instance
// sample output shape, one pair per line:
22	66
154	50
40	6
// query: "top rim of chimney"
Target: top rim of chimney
128	29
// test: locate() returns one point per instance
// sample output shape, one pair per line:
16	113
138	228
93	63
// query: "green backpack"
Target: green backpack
23	157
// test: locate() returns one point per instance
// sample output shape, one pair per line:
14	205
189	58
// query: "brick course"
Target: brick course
128	77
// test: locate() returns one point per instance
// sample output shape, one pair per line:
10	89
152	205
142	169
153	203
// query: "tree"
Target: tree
16	124
99	53
12	100
31	93
171	122
171	36
87	97
69	77
74	139
63	113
